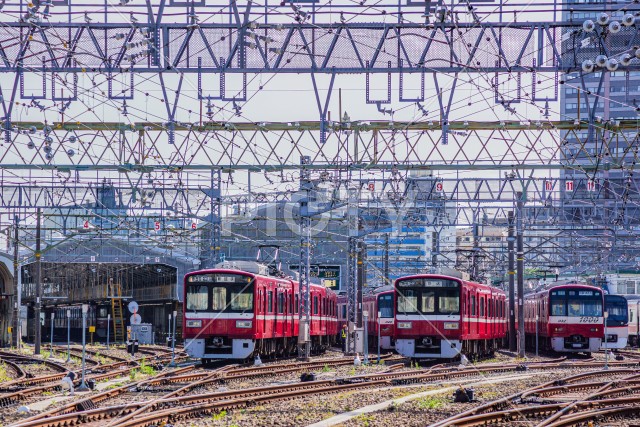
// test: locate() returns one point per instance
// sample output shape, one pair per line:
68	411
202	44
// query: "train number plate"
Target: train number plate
588	319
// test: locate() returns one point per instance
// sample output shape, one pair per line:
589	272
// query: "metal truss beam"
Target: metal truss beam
301	48
350	146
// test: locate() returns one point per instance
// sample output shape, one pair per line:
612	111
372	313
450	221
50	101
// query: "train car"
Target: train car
96	316
633	305
238	314
379	302
617	321
569	318
439	316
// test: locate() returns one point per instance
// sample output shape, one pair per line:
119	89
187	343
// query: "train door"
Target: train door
263	303
473	330
466	313
289	313
482	321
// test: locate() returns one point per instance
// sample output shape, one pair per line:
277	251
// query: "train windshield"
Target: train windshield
428	296
385	305
230	293
576	303
616	306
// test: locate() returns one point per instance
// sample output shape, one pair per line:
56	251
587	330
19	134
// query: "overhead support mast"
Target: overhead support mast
306	185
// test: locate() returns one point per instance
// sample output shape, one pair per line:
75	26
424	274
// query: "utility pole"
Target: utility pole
435	249
520	270
304	344
17	300
475	251
387	278
38	278
362	278
352	270
511	273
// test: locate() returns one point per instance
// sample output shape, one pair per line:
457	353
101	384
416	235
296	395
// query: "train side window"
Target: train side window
473	305
270	301
280	302
296	305
290	303
344	311
315	304
481	306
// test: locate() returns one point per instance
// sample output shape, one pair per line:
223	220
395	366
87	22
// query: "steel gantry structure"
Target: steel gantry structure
93	83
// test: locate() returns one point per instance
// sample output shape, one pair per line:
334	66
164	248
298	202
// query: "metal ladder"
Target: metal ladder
116	313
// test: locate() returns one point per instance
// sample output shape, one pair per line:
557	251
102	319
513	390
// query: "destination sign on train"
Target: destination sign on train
427	283
218	278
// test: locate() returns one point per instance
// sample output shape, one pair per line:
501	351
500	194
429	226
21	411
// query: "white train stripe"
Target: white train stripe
428	317
576	320
250	316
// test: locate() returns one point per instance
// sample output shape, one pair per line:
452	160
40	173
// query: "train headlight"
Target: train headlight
194	323
451	325
594	329
404	325
559	329
243	324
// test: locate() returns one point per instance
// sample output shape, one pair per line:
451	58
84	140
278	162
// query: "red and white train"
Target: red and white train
569	318
618	327
380	302
439	316
237	314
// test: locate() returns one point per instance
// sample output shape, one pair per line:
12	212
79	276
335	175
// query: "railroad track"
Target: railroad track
19	372
530	405
5	355
20	390
176	405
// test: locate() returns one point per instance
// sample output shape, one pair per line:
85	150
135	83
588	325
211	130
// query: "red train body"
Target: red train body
569	318
438	316
380	302
234	314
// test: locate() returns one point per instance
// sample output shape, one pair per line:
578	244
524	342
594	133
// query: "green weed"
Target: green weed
4	376
432	402
220	415
326	368
365	420
146	369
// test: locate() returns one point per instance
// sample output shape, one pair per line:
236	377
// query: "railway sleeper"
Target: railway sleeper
85	405
8	401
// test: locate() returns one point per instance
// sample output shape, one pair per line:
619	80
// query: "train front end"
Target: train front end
576	319
617	322
219	320
428	317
